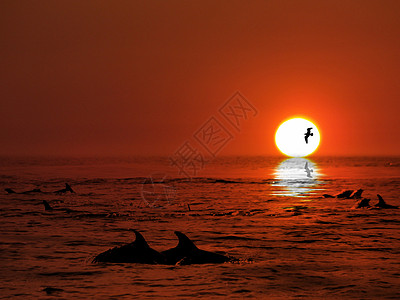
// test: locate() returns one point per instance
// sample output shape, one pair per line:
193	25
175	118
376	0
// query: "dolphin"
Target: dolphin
136	252
34	191
328	196
51	290
345	194
47	206
362	203
383	204
186	253
67	189
356	194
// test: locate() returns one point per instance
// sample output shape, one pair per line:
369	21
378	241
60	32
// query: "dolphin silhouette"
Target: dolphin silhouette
345	194
34	191
67	189
186	253
51	290
47	206
362	203
383	204
136	252
356	194
328	196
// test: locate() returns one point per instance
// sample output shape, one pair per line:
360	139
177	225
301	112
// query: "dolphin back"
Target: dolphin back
137	252
186	253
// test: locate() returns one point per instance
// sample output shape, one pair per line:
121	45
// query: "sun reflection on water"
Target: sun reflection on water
293	179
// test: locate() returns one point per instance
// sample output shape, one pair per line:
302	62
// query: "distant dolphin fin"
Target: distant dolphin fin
184	241
68	188
47	205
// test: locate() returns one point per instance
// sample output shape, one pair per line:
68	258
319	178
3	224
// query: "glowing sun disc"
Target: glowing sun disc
290	137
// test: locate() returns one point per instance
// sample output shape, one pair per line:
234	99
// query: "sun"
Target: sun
294	138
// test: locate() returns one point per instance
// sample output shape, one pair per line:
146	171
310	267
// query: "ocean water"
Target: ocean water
265	211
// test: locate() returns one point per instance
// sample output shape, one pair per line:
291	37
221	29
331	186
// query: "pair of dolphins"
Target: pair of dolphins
35	191
185	253
347	194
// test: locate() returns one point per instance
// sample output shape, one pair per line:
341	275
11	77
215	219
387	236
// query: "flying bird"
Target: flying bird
308	134
308	170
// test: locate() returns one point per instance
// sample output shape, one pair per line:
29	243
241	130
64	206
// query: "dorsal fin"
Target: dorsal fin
140	241
47	205
381	201
68	188
184	241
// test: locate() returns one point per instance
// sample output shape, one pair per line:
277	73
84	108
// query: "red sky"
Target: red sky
140	77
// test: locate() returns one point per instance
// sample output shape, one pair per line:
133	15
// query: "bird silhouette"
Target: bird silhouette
308	134
308	170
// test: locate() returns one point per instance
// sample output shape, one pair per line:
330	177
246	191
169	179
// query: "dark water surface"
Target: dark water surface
292	243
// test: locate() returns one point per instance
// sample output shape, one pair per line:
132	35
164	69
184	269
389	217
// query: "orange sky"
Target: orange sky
140	77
